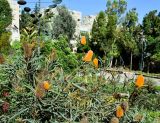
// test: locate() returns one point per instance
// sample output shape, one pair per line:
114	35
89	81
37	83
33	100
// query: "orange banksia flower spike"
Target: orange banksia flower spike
83	40
95	62
88	56
46	85
119	112
140	81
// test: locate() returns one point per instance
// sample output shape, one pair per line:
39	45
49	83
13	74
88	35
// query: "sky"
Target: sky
93	7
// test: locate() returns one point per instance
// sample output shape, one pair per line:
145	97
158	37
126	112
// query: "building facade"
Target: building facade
14	27
87	22
83	23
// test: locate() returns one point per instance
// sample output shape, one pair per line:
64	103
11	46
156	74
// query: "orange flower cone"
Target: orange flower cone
46	85
119	112
88	56
83	40
140	81
95	62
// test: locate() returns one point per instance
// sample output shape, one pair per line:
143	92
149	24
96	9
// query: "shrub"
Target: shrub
66	58
4	42
5	15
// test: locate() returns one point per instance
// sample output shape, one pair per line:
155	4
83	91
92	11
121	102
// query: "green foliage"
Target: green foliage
99	33
36	9
16	45
5	15
5	21
156	56
65	57
26	20
78	91
116	7
63	23
104	31
151	24
84	48
128	36
72	96
131	20
151	29
114	11
5	42
29	34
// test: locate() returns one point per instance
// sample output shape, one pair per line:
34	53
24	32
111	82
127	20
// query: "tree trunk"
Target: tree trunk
105	59
116	63
131	61
148	67
111	62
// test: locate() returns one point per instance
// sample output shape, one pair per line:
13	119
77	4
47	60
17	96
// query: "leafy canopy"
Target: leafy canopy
5	15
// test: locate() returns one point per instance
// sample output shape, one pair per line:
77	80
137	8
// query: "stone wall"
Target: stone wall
84	24
14	28
87	22
77	17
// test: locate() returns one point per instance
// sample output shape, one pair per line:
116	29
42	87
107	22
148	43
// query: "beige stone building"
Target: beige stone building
83	23
87	22
14	27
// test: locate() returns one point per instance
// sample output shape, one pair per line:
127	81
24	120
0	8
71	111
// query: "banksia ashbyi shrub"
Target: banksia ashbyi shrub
82	95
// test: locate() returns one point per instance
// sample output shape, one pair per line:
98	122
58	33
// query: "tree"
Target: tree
36	9
5	21
151	29
129	41
63	53
114	11
5	15
99	33
104	30
63	23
